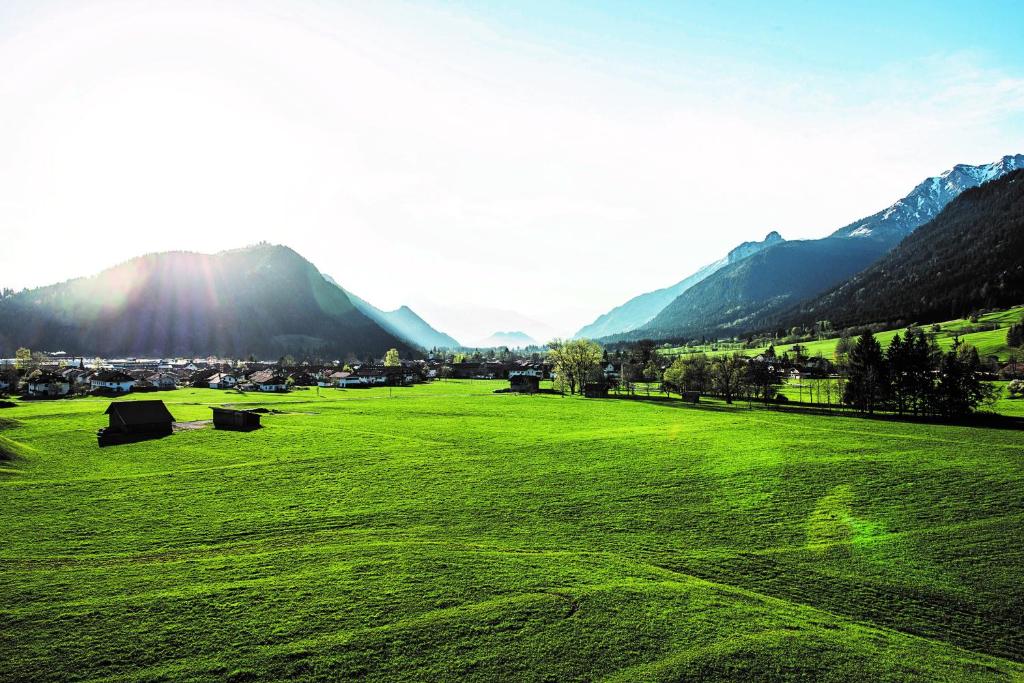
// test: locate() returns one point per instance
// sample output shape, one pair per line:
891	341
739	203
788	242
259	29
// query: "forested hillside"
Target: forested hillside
264	300
970	256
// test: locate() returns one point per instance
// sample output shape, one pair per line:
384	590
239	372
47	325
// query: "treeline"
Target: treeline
912	377
730	377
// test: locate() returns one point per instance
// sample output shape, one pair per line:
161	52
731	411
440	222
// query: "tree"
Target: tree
391	358
843	347
23	358
1015	335
960	388
761	379
576	362
901	379
866	372
727	376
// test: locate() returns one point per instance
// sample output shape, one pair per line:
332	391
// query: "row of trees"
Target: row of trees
730	377
914	376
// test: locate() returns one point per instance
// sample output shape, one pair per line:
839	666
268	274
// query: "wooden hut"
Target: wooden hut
135	421
235	420
524	384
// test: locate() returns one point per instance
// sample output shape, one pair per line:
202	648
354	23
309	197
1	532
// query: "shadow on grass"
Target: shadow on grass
981	419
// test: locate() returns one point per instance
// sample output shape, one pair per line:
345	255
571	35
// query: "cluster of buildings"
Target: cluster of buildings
57	377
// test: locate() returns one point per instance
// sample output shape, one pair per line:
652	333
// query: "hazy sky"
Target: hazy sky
553	159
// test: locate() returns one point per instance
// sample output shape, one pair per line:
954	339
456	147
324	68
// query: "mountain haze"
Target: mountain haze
404	323
264	300
642	308
513	340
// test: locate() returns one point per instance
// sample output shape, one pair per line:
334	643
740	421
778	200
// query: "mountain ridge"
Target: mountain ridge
643	308
729	301
263	300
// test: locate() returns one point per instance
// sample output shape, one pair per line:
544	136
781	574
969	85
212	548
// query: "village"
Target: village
49	376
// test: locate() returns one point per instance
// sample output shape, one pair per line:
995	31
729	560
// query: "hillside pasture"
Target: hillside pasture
988	342
451	533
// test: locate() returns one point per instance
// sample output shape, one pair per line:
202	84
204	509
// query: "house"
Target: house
612	371
48	385
235	420
221	380
274	383
112	381
333	379
524	383
76	377
135	421
348	379
258	377
382	375
303	379
163	381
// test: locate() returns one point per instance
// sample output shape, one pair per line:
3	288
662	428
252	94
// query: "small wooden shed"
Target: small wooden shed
235	420
135	421
524	384
595	390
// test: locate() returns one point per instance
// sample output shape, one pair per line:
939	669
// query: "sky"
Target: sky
495	166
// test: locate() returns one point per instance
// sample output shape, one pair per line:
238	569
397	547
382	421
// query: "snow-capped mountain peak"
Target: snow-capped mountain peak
927	199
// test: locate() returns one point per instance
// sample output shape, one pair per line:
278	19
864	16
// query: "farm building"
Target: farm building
595	390
135	421
236	420
113	381
524	384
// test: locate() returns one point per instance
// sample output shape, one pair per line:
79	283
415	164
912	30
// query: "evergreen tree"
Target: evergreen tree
1015	335
960	388
866	371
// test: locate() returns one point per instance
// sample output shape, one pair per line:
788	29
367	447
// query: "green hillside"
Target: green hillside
450	533
988	342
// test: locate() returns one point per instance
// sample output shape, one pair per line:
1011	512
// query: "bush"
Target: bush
1016	388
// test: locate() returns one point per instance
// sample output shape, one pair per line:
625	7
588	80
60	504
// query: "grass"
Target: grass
988	342
450	533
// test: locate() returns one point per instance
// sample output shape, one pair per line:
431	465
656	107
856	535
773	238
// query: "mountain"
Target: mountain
405	324
927	199
641	309
970	256
741	297
264	300
513	340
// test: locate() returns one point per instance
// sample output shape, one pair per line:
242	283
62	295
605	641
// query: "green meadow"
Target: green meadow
446	532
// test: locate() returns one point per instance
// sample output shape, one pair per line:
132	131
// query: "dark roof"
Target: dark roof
139	412
45	378
274	379
112	376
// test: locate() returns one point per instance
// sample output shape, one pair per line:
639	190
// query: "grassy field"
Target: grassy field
988	342
450	533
